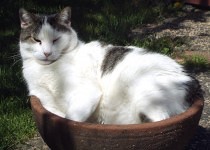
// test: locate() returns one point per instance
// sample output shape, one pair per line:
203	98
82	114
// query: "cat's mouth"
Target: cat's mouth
45	61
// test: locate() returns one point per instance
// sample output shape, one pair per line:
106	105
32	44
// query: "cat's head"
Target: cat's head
46	38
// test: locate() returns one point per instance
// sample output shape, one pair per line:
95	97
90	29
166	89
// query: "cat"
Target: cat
97	82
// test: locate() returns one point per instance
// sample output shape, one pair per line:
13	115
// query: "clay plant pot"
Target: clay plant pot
170	134
205	3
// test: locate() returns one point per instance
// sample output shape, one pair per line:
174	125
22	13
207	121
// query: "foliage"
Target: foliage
196	63
16	119
164	45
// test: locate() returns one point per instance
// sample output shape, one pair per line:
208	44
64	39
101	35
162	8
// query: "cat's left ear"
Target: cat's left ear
26	18
64	17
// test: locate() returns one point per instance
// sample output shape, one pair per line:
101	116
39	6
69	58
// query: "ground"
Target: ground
194	25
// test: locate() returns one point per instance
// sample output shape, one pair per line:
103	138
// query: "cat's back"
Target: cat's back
133	60
145	82
95	49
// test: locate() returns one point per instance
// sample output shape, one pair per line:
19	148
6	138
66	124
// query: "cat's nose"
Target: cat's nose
47	54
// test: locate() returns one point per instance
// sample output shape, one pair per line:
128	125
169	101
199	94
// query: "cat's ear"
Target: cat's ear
26	19
64	17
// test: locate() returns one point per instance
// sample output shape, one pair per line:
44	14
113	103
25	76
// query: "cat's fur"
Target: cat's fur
97	82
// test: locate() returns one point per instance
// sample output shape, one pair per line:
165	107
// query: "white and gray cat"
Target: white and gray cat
97	82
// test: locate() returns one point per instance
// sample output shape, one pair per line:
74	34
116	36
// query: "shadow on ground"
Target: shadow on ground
175	23
201	140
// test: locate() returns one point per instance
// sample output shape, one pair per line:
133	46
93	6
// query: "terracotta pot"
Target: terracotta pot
204	3
62	134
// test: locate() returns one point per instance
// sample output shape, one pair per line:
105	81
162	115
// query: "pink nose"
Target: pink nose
47	54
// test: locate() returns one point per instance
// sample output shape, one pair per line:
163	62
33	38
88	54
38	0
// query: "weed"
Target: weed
164	45
196	63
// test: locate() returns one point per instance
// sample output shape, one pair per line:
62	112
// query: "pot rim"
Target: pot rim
192	111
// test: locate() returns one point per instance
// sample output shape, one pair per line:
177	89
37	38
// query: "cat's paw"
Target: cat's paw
80	116
83	102
55	111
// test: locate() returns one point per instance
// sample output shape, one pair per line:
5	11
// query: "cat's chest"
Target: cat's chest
48	78
51	81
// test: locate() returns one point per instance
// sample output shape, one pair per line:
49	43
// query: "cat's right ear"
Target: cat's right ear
64	17
25	18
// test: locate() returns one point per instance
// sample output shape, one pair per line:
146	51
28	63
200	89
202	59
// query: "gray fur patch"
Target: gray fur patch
113	56
53	20
144	118
38	20
193	90
33	29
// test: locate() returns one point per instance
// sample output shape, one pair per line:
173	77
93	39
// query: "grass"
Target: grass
164	45
196	63
110	21
16	122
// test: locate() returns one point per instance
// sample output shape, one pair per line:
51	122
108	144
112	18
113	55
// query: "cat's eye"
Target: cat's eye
37	40
56	39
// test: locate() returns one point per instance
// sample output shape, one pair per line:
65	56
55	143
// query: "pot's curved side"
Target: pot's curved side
62	134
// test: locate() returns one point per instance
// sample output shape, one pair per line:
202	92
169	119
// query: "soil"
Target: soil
194	25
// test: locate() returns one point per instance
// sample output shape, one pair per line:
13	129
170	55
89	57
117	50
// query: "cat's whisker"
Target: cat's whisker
15	62
16	58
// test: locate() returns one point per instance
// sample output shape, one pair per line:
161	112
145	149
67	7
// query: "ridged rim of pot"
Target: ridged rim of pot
195	108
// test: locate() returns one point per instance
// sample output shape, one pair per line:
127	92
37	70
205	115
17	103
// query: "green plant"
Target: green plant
196	62
164	45
16	124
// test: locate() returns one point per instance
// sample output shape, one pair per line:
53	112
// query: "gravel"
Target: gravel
201	140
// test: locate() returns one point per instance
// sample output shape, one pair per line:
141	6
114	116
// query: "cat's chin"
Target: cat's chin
45	62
